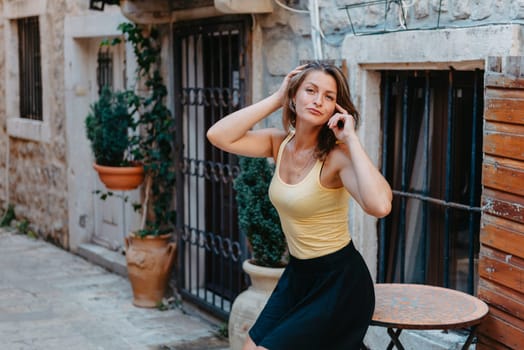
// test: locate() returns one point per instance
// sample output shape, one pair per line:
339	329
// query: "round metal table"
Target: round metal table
417	306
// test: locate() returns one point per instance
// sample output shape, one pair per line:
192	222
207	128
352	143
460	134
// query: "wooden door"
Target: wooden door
114	216
501	265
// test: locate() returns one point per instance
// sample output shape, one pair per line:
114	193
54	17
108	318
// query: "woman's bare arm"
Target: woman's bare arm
233	133
357	172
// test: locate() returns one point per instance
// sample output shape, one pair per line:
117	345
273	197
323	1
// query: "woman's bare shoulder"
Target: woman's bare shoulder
277	136
339	153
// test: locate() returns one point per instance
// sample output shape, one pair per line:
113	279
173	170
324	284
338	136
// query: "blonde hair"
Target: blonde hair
326	139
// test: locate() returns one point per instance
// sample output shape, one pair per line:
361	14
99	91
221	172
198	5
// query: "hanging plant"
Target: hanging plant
156	125
110	128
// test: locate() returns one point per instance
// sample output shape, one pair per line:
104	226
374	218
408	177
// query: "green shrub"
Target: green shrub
257	218
8	216
111	129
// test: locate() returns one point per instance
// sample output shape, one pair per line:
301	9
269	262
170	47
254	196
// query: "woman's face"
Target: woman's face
315	99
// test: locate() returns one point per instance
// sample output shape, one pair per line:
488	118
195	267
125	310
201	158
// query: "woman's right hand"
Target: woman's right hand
282	90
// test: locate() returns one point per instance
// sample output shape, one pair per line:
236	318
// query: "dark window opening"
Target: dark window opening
30	69
432	155
104	68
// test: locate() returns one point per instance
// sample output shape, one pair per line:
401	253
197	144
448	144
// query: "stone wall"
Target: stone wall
287	34
3	139
418	14
37	175
469	31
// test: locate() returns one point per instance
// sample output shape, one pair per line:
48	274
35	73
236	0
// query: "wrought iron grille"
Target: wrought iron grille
104	68
210	82
30	68
432	142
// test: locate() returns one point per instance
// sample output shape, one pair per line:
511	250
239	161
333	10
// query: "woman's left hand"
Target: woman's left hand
342	123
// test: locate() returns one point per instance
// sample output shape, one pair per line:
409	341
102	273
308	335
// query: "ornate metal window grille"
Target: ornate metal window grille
30	68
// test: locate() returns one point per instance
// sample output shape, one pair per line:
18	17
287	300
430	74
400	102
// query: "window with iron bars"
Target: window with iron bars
432	155
104	69
30	68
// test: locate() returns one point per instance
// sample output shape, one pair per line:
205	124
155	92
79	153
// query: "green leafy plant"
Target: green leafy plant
110	127
141	128
8	216
257	218
156	125
24	228
223	330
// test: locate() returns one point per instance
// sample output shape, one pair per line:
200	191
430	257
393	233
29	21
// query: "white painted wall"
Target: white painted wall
87	214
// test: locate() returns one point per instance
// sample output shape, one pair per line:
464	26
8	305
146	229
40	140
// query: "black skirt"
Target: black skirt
319	304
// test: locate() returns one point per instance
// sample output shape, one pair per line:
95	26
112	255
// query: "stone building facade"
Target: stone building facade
39	157
34	161
423	35
374	40
45	166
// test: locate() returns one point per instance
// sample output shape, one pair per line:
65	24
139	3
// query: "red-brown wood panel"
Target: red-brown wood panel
504	174
505	110
500	327
503	204
502	298
501	258
505	93
502	268
485	343
504	235
510	146
499	81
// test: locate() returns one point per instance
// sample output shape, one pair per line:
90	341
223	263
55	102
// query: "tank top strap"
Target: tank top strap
282	146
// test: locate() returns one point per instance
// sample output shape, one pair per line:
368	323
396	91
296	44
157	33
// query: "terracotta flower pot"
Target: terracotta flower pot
120	178
149	262
248	304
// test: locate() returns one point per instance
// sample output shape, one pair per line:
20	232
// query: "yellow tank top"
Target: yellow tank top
314	218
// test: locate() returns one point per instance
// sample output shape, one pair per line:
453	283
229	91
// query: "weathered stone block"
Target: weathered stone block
304	51
333	21
494	64
421	9
440	5
512	65
481	9
300	24
281	57
279	17
461	9
517	9
375	15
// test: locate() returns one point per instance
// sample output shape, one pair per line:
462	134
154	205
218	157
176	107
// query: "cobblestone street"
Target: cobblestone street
52	299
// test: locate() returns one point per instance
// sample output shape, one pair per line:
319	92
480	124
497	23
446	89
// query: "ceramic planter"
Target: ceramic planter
149	262
120	178
248	304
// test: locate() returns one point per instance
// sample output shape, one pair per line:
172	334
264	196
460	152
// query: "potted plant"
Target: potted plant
259	221
110	127
150	250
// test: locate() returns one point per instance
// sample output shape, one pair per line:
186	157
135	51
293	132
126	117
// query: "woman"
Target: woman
325	298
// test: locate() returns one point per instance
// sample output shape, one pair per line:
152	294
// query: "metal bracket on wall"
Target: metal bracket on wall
98	5
387	7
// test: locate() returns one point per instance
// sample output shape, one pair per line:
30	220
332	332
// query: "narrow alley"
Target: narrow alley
52	299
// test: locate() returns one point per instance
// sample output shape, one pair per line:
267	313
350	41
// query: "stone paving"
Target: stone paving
52	299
